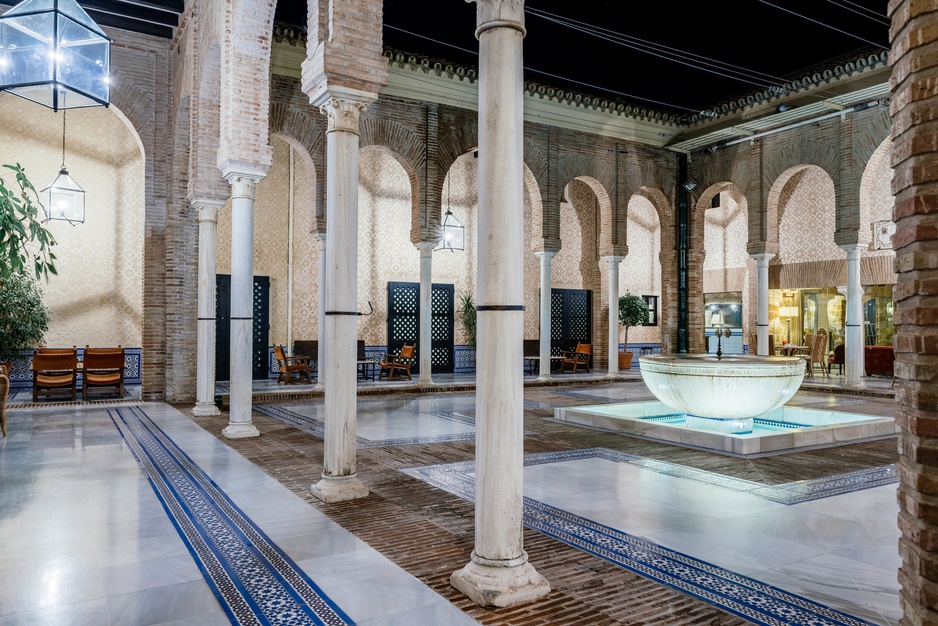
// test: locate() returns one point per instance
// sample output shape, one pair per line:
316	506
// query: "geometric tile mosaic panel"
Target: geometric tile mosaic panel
254	580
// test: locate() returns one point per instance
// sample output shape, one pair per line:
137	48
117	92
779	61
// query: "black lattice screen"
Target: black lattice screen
571	318
261	327
404	322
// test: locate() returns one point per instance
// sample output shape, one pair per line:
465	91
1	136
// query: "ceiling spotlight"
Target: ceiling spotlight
690	184
782	108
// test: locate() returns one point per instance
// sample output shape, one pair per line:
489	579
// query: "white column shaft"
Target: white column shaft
242	307
205	342
762	303
339	481
614	315
321	334
546	258
499	573
424	348
853	351
499	407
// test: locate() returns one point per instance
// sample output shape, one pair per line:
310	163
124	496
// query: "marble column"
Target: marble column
498	573
546	258
853	350
340	481
613	262
242	306
205	338
762	303
321	357
426	313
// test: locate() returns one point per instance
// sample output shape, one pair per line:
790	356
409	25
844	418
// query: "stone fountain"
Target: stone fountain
722	395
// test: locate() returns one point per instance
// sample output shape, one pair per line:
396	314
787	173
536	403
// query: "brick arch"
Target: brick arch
245	88
536	174
456	142
877	160
600	176
307	135
532	186
411	153
778	160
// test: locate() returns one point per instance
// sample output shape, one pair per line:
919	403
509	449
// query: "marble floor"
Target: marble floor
85	539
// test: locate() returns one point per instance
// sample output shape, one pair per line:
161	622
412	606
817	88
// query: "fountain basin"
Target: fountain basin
727	393
783	430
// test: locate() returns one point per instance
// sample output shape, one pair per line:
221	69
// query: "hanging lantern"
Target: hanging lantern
53	53
63	199
454	233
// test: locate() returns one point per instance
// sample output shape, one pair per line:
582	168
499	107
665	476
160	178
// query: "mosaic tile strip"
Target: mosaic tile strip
743	596
785	493
255	582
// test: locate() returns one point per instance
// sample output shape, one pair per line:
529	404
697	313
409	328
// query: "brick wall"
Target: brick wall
914	60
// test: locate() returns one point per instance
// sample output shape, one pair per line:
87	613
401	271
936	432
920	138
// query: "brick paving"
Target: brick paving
429	533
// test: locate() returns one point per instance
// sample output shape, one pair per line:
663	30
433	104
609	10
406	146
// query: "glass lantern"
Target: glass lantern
53	53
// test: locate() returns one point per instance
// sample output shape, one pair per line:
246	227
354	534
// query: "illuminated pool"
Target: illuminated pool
782	429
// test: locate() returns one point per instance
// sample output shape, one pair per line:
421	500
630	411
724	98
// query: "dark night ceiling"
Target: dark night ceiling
771	40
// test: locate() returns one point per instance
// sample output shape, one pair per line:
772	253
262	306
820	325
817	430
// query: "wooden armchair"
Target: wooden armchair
292	368
838	359
54	373
401	362
819	352
574	359
103	370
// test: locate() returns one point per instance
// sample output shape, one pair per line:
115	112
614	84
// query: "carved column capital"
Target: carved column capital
499	14
343	114
853	250
242	186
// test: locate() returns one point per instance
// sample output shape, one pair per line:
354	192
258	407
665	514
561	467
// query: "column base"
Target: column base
205	409
500	586
339	489
545	378
426	384
613	375
320	387
240	431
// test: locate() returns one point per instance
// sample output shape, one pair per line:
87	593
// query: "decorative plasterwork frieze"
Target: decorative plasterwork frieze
440	68
858	65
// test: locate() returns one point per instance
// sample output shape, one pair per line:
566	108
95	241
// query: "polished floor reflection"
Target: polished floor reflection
84	539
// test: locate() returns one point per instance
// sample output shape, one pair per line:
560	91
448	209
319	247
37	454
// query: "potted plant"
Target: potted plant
466	314
633	311
25	257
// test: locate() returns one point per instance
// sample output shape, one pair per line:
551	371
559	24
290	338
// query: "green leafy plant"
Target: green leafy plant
24	319
467	318
25	244
633	311
25	257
